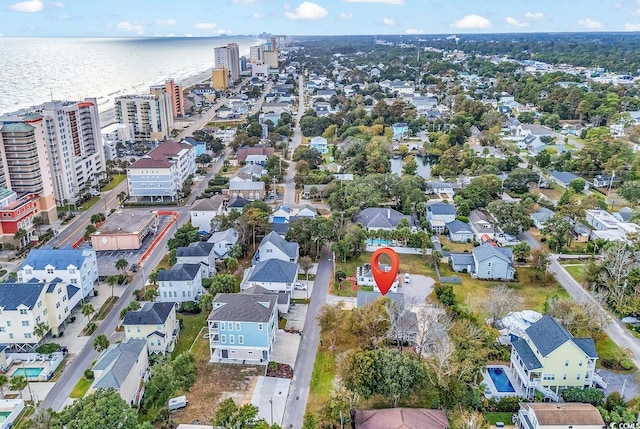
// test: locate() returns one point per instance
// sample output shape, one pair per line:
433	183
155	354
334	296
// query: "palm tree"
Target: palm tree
41	329
87	310
3	382
153	277
38	222
121	196
18	382
122	265
112	281
205	301
101	343
19	235
150	294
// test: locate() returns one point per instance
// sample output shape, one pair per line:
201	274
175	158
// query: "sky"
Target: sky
198	18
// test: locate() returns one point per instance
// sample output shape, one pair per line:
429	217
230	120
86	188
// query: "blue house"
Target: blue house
320	144
493	263
400	130
242	326
459	232
564	178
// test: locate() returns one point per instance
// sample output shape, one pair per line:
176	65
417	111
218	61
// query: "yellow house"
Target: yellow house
156	323
547	359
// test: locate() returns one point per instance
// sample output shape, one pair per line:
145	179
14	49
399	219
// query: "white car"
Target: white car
407	278
300	286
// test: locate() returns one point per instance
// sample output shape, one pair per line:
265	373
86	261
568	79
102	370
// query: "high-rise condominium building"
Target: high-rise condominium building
151	115
220	78
175	92
255	54
271	58
229	57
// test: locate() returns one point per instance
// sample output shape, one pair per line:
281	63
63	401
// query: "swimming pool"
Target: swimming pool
4	415
378	242
28	372
500	380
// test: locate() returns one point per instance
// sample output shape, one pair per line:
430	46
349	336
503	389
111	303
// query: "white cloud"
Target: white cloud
188	35
131	27
515	22
307	10
346	16
414	31
631	27
205	25
590	24
222	31
534	15
257	15
390	22
58	4
28	6
166	22
376	1
471	22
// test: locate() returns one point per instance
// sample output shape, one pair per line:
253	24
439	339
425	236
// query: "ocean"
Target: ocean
35	70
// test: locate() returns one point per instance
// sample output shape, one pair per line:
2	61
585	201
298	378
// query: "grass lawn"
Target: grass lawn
492	418
23	422
608	350
164	263
324	370
413	264
345	288
106	308
116	179
81	387
214	383
454	247
553	193
533	292
576	271
191	326
89	204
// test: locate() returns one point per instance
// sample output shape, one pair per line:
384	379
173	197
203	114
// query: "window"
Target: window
128	328
240	339
23	311
137	329
238	326
25	323
232	339
49	270
566	362
222	325
11	335
269	250
260	326
74	281
8	322
39	304
488	264
548	377
230	327
2	329
72	270
579	363
27	334
578	377
564	376
223	338
58	304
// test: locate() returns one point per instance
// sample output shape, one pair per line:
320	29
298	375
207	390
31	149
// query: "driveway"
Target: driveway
418	289
285	348
270	395
617	382
296	317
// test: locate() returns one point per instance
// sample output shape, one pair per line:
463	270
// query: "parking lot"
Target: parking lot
107	259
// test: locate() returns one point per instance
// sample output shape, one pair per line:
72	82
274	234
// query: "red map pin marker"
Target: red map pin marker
384	279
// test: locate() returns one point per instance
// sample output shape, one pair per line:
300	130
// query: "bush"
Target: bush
626	364
189	307
445	294
589	395
88	374
47	348
509	404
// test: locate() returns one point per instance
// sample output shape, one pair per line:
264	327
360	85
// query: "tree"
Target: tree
153	277
205	301
630	191
578	184
97	218
512	218
112	281
236	251
501	300
38	221
122	196
90	229
390	374
223	283
4	380
184	236
104	409
231	264
122	264
184	370
230	416
557	228
20	235
330	319
203	159
306	263
540	261
18	383
41	329
519	178
409	166
370	324
101	343
87	310
521	251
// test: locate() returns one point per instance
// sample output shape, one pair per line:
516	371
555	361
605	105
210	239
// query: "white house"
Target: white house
272	274
364	277
201	253
439	214
203	211
77	267
156	323
181	283
273	246
223	241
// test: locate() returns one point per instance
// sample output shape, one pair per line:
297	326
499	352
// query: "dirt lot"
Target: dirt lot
214	383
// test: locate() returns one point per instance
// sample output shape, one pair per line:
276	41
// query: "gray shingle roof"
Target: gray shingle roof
441	209
199	248
208	204
283	297
117	361
563	176
152	313
542	215
461	258
237	203
179	272
275	271
289	248
12	295
486	251
378	217
366	297
228	235
548	334
456	227
526	354
240	307
587	345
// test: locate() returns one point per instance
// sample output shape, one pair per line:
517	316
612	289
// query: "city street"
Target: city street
289	184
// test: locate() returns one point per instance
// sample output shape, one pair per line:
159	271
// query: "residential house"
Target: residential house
204	210
77	267
123	367
400	130
236	203
462	262
541	216
459	232
439	214
284	298
200	252
604	180
320	144
483	229
200	147
396	418
606	226
156	323
243	326
374	218
223	241
160	174
547	359
273	246
257	159
564	178
181	283
364	277
444	189
259	149
248	190
491	262
536	415
307	191
251	172
272	274
24	305
624	214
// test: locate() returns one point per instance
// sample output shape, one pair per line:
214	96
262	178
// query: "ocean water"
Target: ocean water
35	70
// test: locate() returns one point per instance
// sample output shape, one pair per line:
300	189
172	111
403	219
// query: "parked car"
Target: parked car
300	286
407	278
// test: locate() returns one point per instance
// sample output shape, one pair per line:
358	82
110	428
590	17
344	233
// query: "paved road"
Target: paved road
289	184
296	404
526	236
75	230
615	329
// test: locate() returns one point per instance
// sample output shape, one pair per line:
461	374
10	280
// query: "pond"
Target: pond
424	167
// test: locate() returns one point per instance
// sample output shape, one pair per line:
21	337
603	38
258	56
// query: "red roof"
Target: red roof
151	163
168	149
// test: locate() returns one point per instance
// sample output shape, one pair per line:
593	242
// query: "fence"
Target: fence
451	279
